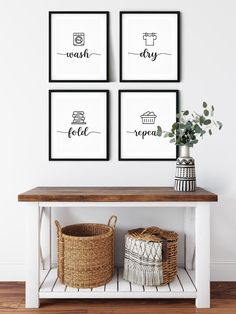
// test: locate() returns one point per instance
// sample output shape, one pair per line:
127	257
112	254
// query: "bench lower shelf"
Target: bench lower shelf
182	287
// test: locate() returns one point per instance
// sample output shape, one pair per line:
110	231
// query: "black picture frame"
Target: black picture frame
51	80
50	92
119	121
122	13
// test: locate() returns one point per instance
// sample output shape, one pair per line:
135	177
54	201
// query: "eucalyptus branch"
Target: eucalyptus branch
189	127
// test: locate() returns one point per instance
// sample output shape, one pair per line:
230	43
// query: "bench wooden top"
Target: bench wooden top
114	194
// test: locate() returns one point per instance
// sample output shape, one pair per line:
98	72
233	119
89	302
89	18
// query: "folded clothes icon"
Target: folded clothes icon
78	117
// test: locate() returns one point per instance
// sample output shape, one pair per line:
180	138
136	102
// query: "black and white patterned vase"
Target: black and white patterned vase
185	177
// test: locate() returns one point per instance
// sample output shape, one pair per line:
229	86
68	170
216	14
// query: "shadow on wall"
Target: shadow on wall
223	229
112	63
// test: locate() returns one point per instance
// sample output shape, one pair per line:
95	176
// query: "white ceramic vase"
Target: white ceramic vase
185	178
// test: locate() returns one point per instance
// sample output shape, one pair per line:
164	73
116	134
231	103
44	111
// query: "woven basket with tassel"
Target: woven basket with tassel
150	256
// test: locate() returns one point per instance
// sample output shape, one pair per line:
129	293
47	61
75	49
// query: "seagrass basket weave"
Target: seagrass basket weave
86	254
141	256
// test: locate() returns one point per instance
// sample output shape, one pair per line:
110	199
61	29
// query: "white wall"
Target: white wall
208	73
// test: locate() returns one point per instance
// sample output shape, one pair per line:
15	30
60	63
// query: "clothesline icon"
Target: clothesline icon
149	38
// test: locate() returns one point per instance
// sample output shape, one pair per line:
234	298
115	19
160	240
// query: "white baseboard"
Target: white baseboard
223	271
12	271
15	271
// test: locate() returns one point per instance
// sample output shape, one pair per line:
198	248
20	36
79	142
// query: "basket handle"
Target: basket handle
112	221
60	252
59	232
150	230
144	230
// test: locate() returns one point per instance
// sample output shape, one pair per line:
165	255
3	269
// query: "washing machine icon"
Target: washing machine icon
78	39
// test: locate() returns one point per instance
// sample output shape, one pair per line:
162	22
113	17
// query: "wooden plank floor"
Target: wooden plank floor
223	299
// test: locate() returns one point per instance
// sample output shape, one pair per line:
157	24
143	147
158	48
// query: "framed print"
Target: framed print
78	46
140	112
149	46
78	124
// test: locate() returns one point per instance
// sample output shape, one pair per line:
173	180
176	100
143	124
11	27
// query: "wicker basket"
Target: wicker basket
86	254
169	254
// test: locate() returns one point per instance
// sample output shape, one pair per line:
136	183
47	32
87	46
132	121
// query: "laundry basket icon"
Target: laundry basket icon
148	117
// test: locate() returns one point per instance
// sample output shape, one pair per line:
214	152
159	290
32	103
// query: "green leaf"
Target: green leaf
201	120
206	112
170	134
210	131
219	124
166	134
178	115
182	126
207	122
188	125
204	104
212	111
197	128
183	141
172	140
159	131
186	112
174	126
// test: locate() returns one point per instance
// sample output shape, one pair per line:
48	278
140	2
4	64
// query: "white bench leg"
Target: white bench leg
32	256
203	255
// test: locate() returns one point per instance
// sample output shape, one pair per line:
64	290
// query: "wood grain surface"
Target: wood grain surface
114	194
223	301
